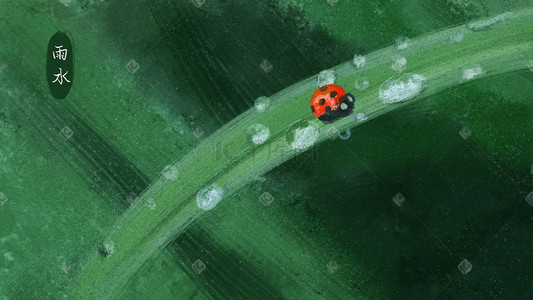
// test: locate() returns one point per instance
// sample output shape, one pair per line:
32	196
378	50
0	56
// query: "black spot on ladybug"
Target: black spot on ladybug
328	108
323	88
312	108
333	94
322	101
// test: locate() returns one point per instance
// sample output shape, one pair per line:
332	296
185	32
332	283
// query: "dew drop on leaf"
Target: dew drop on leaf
170	172
301	135
471	73
530	65
262	104
209	196
326	77
359	61
362	84
399	64
402	88
402	42
257	134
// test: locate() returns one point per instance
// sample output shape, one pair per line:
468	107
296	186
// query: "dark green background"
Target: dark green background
200	68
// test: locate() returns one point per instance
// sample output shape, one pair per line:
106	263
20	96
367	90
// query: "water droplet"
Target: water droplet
170	172
346	135
362	84
257	134
301	135
402	88
456	38
326	77
8	256
359	61
209	196
484	24
471	73
150	203
360	117
105	249
399	64
402	42
262	104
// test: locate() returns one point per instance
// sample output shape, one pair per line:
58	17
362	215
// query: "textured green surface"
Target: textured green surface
200	67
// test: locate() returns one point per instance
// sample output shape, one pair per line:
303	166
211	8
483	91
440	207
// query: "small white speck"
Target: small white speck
326	77
360	117
344	106
359	61
402	88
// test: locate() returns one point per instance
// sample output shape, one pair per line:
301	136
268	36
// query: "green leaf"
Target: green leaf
140	232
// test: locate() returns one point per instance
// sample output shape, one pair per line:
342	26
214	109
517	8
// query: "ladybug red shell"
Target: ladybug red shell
330	102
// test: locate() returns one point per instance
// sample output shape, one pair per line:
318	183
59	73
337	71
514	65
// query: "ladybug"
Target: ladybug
330	102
